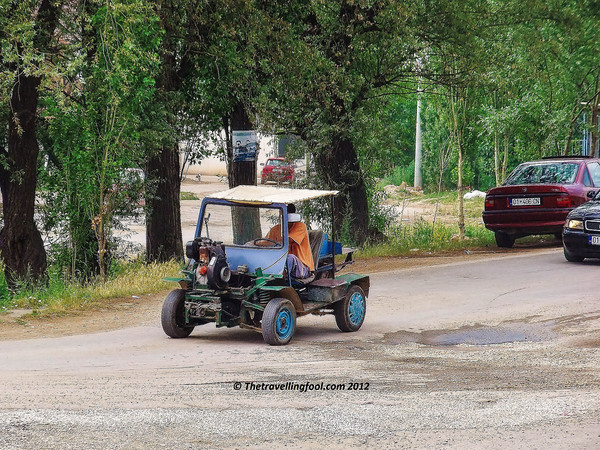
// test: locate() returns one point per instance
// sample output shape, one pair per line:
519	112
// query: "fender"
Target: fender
362	281
287	292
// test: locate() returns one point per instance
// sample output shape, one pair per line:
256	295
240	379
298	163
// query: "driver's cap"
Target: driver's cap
294	217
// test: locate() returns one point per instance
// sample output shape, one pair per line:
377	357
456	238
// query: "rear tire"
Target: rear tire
350	312
279	322
572	257
504	240
173	315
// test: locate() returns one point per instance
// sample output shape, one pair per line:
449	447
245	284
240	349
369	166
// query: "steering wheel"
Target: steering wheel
270	241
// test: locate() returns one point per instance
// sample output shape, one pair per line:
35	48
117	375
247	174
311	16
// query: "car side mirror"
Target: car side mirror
591	194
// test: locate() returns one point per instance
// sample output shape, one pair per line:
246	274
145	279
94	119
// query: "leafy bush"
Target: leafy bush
401	174
424	237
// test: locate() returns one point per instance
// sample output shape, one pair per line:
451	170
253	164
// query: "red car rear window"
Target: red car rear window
543	173
276	162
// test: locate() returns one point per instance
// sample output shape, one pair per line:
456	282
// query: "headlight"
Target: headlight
574	224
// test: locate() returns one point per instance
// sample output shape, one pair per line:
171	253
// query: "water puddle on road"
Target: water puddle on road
478	334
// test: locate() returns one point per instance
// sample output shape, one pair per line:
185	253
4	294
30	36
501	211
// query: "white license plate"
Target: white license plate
595	240
530	201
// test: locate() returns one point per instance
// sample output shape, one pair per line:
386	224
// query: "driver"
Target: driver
299	260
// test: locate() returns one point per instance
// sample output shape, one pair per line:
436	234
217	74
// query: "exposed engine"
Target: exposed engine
211	263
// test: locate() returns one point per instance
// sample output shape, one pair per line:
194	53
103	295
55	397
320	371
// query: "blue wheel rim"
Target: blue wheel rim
356	308
284	325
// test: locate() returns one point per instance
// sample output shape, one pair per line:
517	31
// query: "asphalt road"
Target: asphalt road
496	353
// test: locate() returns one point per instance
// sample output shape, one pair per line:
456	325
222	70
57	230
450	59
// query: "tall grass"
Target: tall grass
401	174
422	236
59	296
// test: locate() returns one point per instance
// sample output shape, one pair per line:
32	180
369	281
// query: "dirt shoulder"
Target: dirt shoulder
144	310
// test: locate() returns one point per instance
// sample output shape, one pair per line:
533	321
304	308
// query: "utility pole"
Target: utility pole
418	147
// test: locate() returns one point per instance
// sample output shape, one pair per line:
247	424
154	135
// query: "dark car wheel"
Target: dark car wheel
350	312
173	315
504	240
571	257
279	322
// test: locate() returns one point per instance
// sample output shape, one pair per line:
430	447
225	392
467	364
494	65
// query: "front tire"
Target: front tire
504	240
350	312
279	322
173	315
572	257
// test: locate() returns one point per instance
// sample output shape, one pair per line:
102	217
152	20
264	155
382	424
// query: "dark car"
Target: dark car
581	232
277	170
537	196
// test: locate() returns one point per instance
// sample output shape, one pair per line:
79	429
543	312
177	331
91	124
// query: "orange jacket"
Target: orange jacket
299	244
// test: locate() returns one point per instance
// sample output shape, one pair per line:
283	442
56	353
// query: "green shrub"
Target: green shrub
188	196
422	236
401	174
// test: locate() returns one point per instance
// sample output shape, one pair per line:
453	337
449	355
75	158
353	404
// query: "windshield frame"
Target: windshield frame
200	225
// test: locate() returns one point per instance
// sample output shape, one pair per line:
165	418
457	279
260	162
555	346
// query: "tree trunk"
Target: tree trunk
460	189
246	221
505	160
594	131
458	106
164	239
163	221
241	172
497	158
21	243
340	168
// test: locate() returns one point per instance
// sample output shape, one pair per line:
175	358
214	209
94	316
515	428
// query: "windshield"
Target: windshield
277	163
543	173
239	225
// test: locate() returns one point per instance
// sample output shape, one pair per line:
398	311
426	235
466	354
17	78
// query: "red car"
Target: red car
537	196
278	170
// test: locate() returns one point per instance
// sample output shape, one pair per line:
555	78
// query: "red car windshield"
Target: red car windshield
277	163
543	173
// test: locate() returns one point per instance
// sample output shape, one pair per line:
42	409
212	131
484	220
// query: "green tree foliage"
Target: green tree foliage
120	84
95	116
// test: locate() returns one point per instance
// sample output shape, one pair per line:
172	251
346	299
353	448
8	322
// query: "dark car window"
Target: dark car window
587	181
551	172
594	169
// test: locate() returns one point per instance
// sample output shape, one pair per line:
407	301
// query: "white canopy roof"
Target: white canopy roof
269	194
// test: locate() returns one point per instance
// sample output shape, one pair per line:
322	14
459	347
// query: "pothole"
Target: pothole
478	335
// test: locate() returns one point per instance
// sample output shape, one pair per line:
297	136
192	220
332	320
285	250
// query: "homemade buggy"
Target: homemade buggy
238	277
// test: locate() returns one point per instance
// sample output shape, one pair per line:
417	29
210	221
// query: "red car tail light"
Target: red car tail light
489	202
564	201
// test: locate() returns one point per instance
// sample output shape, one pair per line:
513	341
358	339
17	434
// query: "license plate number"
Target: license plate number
531	201
595	240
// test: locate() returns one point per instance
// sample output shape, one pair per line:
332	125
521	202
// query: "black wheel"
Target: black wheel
350	312
571	257
504	240
278	321
173	315
558	236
